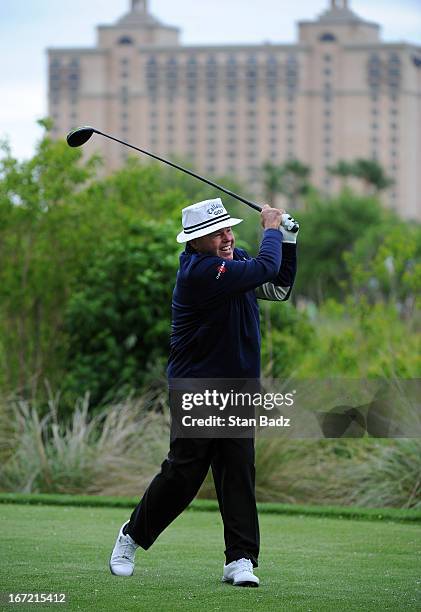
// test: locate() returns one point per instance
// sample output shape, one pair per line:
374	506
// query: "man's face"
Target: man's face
220	243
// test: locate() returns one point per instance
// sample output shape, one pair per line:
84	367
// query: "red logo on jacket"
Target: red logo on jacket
221	270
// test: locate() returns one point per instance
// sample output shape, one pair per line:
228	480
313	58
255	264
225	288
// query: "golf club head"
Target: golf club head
79	136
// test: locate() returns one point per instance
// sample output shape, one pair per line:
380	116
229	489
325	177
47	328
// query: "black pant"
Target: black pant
181	475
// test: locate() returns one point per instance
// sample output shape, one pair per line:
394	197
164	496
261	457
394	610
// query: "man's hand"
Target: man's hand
288	223
271	217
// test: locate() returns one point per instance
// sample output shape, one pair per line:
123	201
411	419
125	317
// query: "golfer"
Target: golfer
215	334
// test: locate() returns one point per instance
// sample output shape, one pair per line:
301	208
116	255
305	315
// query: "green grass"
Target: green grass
209	505
307	563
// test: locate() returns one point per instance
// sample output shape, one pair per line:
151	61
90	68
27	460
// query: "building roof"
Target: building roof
139	16
339	13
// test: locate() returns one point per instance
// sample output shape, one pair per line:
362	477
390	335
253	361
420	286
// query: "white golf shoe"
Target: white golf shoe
122	557
240	573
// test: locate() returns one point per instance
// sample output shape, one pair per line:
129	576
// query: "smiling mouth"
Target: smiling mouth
226	249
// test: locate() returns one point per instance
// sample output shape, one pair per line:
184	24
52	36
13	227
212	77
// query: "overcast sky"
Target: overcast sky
28	27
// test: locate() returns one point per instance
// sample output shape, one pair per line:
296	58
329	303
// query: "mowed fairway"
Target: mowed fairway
306	563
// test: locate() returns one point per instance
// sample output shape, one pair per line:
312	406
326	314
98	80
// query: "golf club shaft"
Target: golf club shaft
201	178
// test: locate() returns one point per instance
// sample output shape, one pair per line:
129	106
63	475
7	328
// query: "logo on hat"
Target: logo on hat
215	209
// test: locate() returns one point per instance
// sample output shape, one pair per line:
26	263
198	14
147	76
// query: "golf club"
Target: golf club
80	135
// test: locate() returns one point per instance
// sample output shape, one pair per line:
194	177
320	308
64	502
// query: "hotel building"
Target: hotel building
337	93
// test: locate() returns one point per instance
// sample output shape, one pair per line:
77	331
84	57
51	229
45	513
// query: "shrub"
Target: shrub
115	452
118	323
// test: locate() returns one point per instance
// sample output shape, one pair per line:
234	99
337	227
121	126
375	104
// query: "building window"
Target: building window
327	37
125	40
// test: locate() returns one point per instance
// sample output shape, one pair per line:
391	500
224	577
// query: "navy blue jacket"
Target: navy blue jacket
215	316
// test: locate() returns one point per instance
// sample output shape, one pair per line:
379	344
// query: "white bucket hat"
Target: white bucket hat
204	218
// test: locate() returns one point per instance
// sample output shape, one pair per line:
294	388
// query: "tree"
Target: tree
296	183
117	323
384	266
368	170
372	175
342	169
272	182
328	230
40	251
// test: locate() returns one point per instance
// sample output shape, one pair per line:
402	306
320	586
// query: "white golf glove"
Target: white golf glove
287	224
